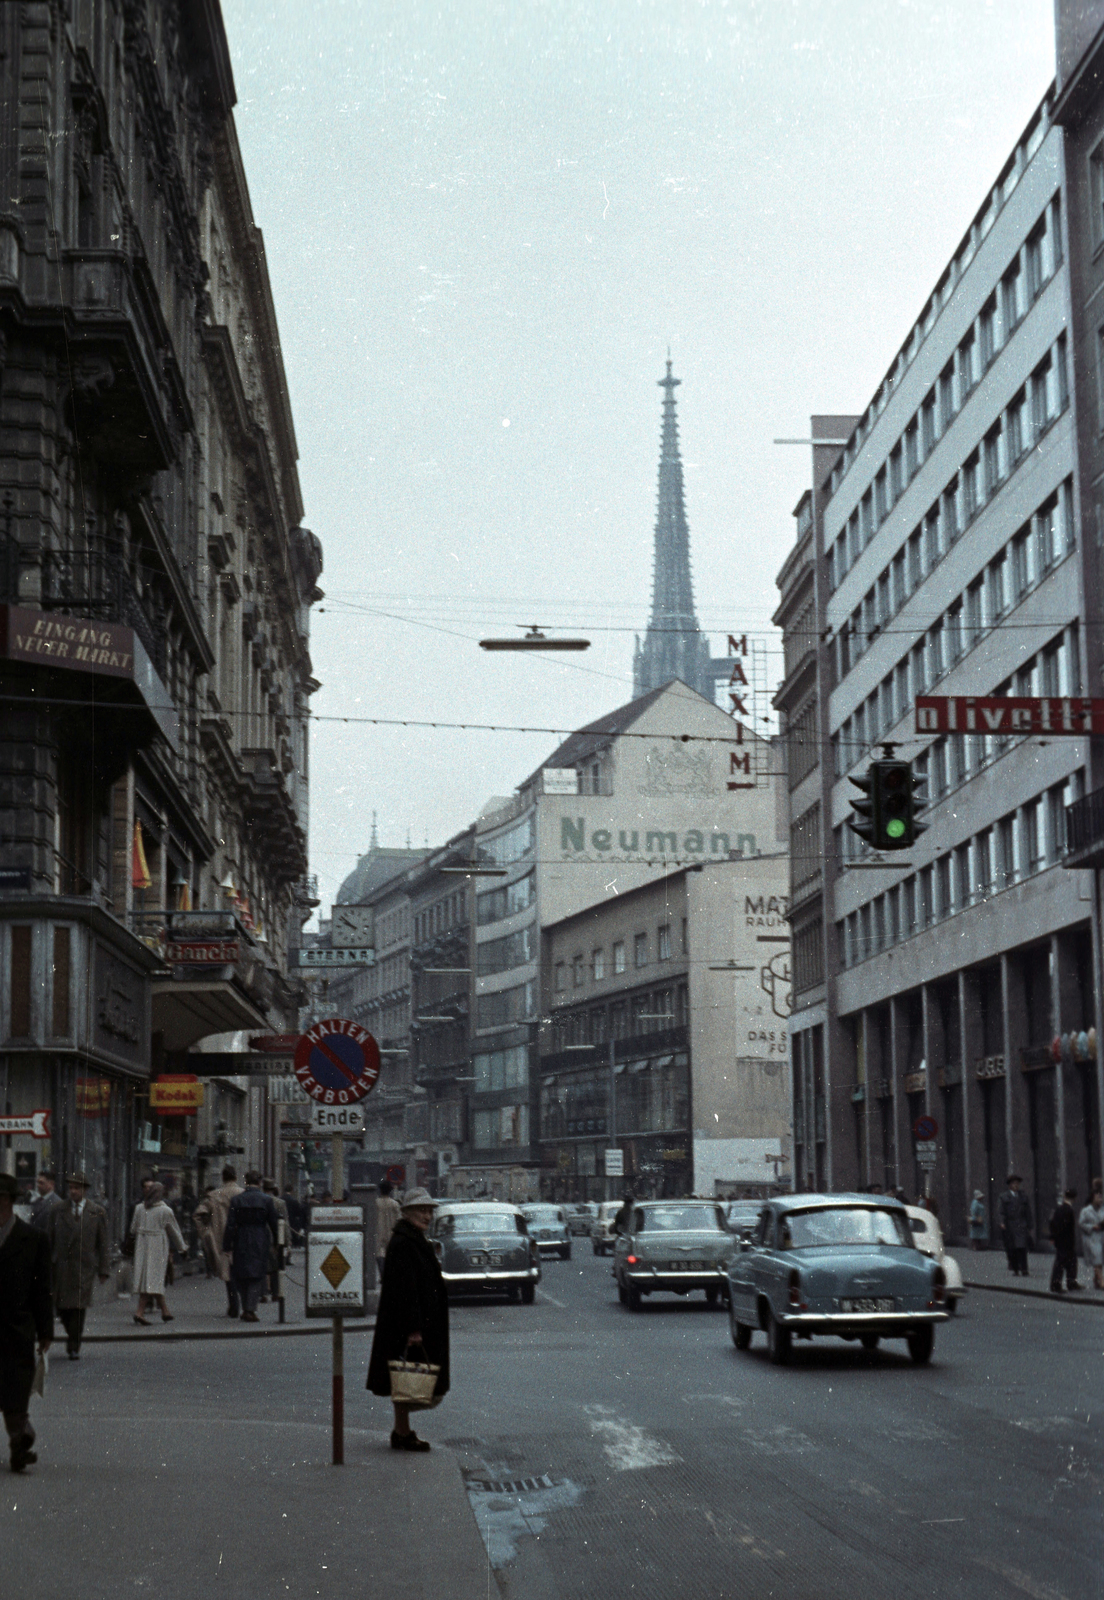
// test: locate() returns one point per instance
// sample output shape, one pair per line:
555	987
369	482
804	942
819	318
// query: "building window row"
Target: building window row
654	1011
508	1005
806	850
1019	845
1032	553
1032	410
502	955
595	967
802	746
442	917
1038	260
497	904
501	1069
513	845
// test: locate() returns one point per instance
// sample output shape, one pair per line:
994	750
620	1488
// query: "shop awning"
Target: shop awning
186	1011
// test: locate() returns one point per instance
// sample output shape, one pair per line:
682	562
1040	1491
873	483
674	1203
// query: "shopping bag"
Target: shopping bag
413	1382
38	1382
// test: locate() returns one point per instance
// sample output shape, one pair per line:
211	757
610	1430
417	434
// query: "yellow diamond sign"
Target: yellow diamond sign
335	1267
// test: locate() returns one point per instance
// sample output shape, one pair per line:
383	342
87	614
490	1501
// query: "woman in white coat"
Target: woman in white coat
154	1228
1091	1223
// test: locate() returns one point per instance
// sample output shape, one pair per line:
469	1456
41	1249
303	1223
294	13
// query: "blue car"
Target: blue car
839	1264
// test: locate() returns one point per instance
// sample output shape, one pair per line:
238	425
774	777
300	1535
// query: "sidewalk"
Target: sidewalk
249	1509
198	1307
988	1269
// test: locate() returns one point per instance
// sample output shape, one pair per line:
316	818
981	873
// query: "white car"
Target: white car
927	1235
601	1227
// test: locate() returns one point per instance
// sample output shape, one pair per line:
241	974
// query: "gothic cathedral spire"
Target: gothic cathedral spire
674	645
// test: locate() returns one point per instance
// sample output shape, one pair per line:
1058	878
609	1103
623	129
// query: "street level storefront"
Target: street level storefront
75	1032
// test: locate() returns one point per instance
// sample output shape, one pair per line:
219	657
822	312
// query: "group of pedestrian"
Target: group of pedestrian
240	1231
1066	1227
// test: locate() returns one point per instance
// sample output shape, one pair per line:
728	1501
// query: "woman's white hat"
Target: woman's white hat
417	1197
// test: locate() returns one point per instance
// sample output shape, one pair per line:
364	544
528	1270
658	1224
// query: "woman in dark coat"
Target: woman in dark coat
413	1310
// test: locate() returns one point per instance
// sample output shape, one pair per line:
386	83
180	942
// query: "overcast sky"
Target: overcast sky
485	223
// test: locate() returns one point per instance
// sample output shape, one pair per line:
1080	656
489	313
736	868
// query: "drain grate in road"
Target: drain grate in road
511	1485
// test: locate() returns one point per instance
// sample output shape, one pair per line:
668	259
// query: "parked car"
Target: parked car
484	1247
548	1227
927	1236
580	1217
674	1246
844	1265
601	1229
742	1215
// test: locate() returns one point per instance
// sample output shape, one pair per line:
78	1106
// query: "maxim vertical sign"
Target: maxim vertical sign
739	761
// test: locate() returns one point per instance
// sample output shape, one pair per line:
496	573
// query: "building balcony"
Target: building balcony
270	813
1085	831
214	976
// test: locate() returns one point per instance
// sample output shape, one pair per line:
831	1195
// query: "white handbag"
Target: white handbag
413	1382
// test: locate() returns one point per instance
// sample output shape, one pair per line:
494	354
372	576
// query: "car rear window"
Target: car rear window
484	1222
842	1225
544	1213
674	1219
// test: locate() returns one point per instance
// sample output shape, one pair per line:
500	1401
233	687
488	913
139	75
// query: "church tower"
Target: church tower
674	645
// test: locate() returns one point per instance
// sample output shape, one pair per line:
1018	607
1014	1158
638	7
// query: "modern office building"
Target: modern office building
951	555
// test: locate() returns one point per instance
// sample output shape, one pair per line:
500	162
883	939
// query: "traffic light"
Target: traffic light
888	813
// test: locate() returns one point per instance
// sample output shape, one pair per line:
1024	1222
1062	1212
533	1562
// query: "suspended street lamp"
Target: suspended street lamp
535	639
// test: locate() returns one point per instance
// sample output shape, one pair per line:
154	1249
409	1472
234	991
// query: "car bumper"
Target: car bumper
679	1280
491	1278
550	1245
892	1324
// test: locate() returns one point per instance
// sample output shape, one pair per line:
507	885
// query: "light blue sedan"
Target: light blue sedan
840	1264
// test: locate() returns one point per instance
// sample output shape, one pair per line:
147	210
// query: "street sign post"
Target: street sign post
336	1119
36	1123
337	1063
335	1288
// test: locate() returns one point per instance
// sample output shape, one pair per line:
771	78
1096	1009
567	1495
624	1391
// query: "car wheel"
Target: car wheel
622	1295
514	1293
920	1345
633	1294
528	1293
596	1250
741	1333
778	1341
952	1305
712	1296
870	1341
566	1254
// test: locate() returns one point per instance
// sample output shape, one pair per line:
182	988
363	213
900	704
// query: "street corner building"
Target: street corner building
949	544
156	584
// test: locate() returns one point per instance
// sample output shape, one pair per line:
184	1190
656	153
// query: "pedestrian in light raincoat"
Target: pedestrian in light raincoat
155	1231
250	1233
219	1202
1090	1225
78	1247
413	1312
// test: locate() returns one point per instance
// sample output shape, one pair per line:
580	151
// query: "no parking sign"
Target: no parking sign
337	1062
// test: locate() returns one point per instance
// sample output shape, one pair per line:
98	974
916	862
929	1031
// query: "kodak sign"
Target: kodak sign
179	1092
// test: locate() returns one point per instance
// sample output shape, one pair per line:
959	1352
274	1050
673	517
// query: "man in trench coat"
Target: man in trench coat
78	1241
26	1317
219	1202
1015	1220
251	1231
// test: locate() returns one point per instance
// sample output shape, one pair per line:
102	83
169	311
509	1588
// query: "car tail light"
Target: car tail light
797	1300
631	1261
939	1284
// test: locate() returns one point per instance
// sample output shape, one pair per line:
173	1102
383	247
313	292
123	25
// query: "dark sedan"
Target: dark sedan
484	1247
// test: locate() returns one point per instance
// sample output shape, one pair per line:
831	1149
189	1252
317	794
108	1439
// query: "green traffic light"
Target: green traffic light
895	829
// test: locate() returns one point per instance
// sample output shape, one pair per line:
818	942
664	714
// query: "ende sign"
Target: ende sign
644	844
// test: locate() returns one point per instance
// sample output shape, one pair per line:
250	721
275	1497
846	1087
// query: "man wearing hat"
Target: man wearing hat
78	1241
26	1316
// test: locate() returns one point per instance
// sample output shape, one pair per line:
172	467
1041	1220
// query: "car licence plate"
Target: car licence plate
868	1305
688	1266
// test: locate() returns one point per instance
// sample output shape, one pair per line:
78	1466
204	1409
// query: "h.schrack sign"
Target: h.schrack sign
81	645
1071	716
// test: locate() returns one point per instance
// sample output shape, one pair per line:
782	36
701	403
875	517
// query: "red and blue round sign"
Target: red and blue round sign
925	1127
337	1062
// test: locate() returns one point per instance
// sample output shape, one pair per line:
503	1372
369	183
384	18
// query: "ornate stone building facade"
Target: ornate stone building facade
156	583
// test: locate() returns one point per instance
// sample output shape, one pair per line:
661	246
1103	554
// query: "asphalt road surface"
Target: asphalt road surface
606	1455
611	1455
